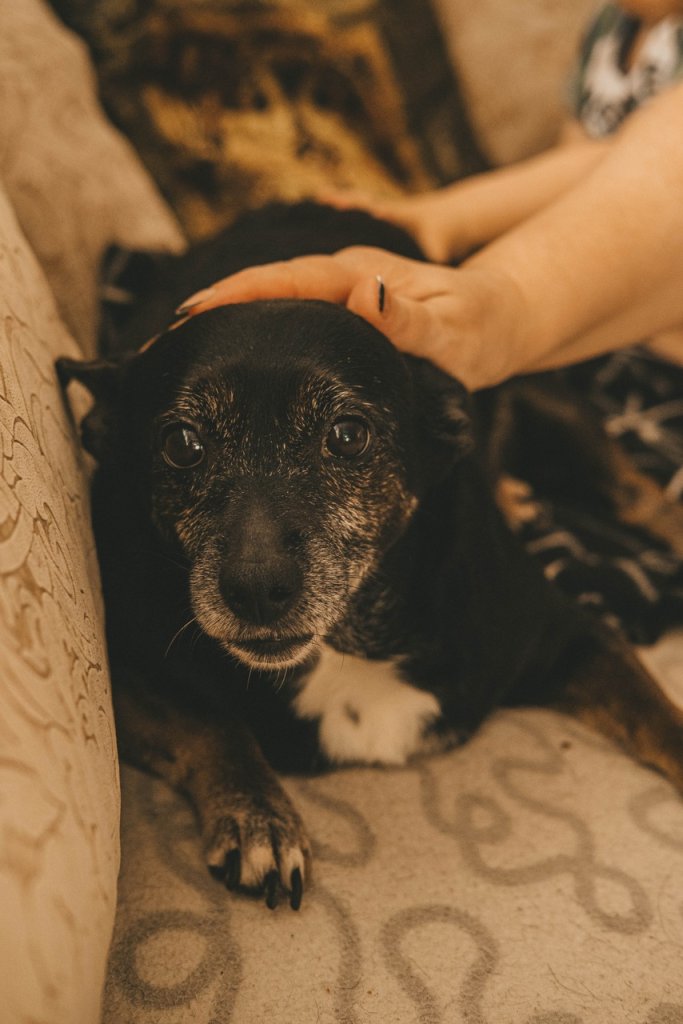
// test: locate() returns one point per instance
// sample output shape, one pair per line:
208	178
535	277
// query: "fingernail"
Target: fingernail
194	300
148	343
177	323
381	293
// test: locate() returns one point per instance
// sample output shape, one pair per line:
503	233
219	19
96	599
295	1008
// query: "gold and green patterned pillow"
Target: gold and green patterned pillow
232	104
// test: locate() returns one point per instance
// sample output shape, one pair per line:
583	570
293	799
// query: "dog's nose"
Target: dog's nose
260	593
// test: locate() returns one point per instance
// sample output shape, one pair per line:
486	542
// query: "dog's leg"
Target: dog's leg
253	836
613	693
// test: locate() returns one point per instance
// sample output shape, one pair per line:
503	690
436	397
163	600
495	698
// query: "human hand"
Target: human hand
467	321
428	217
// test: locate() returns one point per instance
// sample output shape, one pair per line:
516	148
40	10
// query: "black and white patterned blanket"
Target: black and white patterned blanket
626	576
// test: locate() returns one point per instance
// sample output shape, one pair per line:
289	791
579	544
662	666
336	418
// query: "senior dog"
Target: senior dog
302	558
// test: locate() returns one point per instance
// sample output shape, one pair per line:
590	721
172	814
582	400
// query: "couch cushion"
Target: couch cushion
531	877
514	59
75	184
59	799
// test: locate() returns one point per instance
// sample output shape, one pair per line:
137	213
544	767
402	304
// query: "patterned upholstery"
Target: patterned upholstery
531	877
59	799
69	187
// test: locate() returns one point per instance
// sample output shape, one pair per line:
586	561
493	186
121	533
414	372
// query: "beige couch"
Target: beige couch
68	187
533	877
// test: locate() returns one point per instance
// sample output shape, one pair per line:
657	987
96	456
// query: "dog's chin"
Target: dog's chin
275	653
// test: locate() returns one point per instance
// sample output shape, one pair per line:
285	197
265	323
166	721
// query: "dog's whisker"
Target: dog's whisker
279	685
155	553
196	638
178	633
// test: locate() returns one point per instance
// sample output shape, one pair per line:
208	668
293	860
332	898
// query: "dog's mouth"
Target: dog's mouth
273	652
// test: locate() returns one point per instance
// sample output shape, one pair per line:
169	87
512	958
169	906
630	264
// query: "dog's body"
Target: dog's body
304	565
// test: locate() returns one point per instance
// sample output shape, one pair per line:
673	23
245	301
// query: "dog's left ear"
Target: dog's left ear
99	376
102	378
444	413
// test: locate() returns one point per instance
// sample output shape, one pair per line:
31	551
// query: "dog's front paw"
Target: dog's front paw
259	843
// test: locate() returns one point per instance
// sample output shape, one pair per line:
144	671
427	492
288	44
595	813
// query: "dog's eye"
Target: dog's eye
181	446
348	438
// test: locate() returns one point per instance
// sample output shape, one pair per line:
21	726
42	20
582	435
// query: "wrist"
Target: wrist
436	220
449	216
460	218
506	334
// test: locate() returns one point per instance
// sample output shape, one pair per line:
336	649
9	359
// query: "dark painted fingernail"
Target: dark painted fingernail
271	884
177	323
148	343
381	293
217	871
233	864
297	886
194	300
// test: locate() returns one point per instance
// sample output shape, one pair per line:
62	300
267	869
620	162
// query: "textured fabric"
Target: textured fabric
75	188
532	877
608	85
233	104
631	579
59	798
74	183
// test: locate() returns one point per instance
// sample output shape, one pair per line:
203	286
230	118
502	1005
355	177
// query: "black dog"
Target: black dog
302	560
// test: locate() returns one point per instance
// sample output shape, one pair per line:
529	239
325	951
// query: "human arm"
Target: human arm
598	268
452	221
608	254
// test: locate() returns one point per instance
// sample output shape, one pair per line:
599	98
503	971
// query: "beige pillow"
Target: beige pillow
74	182
59	796
514	58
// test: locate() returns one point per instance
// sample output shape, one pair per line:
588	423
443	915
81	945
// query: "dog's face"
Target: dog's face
283	447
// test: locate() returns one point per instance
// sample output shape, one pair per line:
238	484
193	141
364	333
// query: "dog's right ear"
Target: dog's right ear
445	415
102	379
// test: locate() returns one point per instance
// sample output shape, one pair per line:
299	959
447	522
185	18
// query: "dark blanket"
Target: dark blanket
623	574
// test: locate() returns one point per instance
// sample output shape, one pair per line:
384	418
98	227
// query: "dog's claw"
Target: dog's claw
271	886
217	871
232	869
259	846
297	889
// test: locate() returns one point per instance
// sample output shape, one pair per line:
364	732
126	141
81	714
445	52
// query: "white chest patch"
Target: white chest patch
366	712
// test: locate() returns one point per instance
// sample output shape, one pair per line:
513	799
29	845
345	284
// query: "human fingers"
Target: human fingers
470	323
394	210
348	199
437	325
307	277
331	278
425	310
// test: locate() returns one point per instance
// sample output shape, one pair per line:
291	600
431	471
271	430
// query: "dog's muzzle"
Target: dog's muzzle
278	652
260	593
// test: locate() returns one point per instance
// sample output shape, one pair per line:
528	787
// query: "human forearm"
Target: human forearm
477	210
603	265
599	267
449	222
